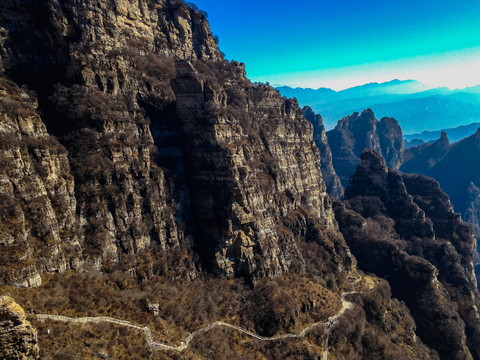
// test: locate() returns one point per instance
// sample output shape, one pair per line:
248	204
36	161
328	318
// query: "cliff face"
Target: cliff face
330	177
403	228
251	163
452	166
37	189
53	34
18	339
357	132
421	159
151	159
134	159
472	215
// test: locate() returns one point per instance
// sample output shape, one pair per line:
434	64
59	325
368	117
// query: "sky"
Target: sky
344	43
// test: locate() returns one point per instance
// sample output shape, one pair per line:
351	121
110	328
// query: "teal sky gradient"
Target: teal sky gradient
337	43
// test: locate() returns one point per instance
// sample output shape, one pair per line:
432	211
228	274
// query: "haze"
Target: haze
343	44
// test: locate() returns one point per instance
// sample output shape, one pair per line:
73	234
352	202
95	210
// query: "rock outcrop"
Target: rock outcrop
164	149
134	158
472	215
18	339
441	160
330	177
451	165
421	159
403	228
38	205
357	132
252	163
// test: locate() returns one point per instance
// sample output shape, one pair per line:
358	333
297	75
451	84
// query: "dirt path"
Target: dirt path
331	322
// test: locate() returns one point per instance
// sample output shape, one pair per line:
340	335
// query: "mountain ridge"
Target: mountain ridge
457	107
149	181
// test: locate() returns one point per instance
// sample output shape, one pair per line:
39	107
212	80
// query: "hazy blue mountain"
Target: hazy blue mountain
454	165
454	134
432	112
416	108
394	87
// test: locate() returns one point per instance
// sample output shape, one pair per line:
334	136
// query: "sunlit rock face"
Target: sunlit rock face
134	157
18	339
148	145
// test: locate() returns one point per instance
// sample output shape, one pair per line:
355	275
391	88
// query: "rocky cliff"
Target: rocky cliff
38	207
330	177
357	132
421	159
472	215
18	339
247	149
451	165
145	178
151	157
403	228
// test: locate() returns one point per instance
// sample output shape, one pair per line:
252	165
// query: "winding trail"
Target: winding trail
329	324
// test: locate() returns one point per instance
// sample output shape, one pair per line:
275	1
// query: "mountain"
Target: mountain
308	96
406	101
441	159
396	226
394	87
155	203
357	132
449	163
430	112
399	227
454	134
323	95
332	181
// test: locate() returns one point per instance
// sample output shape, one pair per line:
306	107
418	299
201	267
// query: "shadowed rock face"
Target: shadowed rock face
357	132
472	215
18	339
148	145
403	228
144	155
330	177
251	162
421	159
450	164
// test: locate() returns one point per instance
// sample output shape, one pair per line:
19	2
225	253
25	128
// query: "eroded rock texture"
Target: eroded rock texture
357	132
37	195
132	153
164	149
18	339
251	163
403	228
330	177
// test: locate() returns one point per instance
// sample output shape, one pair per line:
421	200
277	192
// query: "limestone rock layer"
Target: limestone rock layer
18	339
148	145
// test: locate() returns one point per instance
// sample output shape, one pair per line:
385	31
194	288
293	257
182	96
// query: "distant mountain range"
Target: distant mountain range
454	134
416	107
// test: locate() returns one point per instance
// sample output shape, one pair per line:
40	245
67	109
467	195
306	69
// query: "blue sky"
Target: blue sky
343	43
